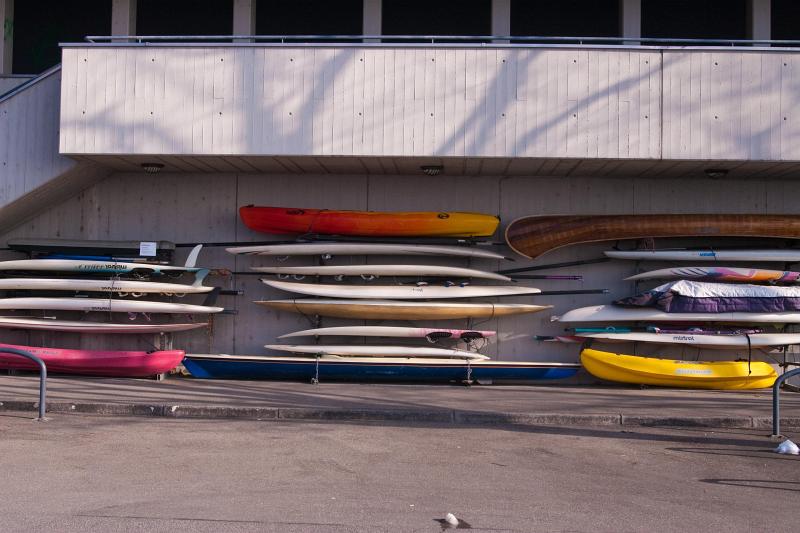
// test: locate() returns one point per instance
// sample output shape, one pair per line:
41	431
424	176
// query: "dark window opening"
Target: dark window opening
694	19
785	19
39	25
565	18
184	17
309	17
437	17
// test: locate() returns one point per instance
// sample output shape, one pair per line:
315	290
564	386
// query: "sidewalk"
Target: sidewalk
494	404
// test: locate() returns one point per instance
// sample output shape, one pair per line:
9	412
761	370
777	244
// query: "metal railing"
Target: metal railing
776	406
480	40
33	81
42	376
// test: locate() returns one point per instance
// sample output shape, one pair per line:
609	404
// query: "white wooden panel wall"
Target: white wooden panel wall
731	105
509	102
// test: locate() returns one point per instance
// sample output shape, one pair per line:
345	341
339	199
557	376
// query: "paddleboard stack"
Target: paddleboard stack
715	306
59	281
386	291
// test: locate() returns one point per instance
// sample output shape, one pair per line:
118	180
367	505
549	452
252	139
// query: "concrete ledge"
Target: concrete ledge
689	421
429	416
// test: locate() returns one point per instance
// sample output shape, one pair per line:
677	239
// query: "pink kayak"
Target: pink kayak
94	362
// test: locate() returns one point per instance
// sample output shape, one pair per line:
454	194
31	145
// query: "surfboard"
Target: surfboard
104	304
402	292
754	256
391	331
220	366
75	326
533	236
756	340
355	248
282	220
719	375
393	310
382	270
376	351
611	313
720	273
117	286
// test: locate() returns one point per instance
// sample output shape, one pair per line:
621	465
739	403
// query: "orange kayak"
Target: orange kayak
367	223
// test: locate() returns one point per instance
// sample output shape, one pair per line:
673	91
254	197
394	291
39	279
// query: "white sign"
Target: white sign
148	249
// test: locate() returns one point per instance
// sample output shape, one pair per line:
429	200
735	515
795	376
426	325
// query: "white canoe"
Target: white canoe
93	267
612	313
360	248
757	340
399	310
400	292
754	256
376	351
123	286
46	324
104	304
382	270
387	331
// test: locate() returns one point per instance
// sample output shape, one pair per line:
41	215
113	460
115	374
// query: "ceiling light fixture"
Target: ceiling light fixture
432	170
716	173
152	168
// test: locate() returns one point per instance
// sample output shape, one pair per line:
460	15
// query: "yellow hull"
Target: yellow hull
719	375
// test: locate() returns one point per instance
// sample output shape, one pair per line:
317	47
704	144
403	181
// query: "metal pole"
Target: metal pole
776	408
42	376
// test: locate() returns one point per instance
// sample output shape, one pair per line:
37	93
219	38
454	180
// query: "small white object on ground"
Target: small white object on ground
787	447
451	519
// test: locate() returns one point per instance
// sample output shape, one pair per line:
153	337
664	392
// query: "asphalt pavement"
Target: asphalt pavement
92	473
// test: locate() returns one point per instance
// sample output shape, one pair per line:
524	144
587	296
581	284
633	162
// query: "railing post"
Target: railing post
776	408
42	377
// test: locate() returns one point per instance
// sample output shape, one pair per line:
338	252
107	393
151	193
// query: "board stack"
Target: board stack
105	279
417	292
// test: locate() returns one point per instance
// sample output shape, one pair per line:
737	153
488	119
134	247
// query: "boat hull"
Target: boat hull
382	270
611	313
105	305
94	362
389	310
399	292
717	342
389	331
717	375
720	273
755	256
77	326
282	220
364	369
535	235
355	248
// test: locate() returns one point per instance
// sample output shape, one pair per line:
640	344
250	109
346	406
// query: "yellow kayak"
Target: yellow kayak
720	375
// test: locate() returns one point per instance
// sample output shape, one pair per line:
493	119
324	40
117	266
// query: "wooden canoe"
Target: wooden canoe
396	310
283	220
535	235
719	375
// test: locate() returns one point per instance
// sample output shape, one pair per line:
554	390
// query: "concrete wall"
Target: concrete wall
203	207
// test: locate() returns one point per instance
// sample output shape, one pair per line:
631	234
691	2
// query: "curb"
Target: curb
433	416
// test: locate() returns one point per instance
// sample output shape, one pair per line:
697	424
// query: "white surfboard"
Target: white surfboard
376	351
116	286
76	326
720	273
612	313
104	304
360	248
757	340
102	267
755	256
400	292
382	270
389	331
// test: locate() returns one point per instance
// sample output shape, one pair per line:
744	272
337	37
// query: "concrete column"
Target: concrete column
759	19
373	19
244	18
7	42
630	24
123	17
501	19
